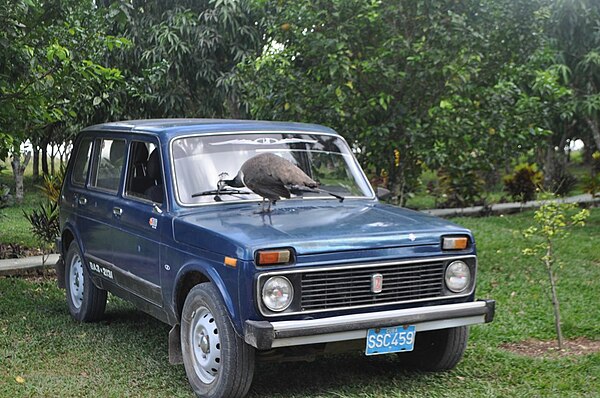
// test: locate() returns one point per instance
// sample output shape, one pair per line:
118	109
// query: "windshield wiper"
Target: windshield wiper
218	192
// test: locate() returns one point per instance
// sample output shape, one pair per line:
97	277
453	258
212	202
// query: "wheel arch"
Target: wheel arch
194	274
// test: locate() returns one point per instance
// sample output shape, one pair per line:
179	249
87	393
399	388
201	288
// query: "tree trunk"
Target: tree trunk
52	156
45	158
549	166
36	163
18	171
555	303
593	124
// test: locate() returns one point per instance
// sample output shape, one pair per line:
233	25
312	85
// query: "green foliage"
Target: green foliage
51	61
591	182
408	78
524	182
563	183
44	223
461	188
44	219
183	55
552	221
5	197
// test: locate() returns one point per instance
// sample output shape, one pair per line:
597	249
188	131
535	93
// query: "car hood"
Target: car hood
310	228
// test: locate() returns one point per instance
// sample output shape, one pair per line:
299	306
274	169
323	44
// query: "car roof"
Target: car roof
168	128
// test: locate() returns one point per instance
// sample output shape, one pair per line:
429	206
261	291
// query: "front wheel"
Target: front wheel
437	350
218	363
86	301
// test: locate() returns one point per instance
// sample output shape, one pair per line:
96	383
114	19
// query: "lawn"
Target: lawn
126	354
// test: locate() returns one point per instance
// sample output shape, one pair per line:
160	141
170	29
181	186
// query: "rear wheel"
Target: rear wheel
437	350
218	363
86	301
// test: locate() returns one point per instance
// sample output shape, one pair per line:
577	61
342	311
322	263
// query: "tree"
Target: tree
408	84
182	55
50	58
552	222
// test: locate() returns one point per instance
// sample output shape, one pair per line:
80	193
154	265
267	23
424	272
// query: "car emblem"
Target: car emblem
412	237
376	283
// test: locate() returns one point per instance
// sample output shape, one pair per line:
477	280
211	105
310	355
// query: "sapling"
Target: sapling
552	222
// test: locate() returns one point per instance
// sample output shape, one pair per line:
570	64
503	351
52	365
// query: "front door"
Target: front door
136	239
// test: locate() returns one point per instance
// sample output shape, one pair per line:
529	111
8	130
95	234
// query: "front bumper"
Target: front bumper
265	335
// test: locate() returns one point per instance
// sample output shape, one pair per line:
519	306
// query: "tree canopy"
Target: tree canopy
463	88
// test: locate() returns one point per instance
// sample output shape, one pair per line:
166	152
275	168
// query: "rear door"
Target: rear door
96	204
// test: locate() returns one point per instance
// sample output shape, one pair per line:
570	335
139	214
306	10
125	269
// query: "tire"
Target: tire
437	350
218	363
86	301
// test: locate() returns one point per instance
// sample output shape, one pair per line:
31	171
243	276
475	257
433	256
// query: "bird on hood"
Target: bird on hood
273	178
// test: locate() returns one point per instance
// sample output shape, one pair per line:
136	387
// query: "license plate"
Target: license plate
388	340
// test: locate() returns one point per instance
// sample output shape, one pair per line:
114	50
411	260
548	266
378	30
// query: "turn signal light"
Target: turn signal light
272	257
455	243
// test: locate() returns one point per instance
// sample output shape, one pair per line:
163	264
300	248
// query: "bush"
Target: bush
5	196
563	183
591	183
524	182
44	220
461	188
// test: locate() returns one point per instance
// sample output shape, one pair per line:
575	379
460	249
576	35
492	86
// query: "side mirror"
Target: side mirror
383	193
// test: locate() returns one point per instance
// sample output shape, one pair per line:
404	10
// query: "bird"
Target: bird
273	178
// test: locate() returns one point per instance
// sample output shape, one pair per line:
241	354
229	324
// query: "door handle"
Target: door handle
82	201
117	211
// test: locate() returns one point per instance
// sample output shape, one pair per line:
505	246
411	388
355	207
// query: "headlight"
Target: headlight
458	276
277	293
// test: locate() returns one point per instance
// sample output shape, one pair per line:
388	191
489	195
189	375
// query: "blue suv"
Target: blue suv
145	215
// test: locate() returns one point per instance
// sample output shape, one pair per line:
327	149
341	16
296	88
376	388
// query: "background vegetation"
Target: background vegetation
464	89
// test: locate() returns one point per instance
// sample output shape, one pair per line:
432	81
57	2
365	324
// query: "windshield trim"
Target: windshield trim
193	205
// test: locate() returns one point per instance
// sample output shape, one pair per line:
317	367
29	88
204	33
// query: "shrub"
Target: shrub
563	183
5	196
461	188
44	222
44	219
524	182
591	183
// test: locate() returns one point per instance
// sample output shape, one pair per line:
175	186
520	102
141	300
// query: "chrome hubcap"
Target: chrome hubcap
76	281
206	345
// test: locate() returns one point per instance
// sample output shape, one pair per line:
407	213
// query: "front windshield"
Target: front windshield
200	161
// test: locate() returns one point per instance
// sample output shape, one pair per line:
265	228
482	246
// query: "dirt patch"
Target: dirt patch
549	349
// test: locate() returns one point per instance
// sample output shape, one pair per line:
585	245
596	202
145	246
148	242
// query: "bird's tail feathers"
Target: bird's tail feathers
299	190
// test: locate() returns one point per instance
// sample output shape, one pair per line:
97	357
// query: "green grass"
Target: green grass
126	354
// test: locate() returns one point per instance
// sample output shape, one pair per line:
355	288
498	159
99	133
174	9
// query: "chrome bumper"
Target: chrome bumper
265	335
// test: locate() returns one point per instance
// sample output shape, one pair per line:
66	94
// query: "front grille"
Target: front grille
336	288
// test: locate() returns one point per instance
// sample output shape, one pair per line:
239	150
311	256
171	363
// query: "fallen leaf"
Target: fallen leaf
19	380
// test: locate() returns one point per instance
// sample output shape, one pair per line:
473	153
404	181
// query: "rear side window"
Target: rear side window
109	164
82	161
